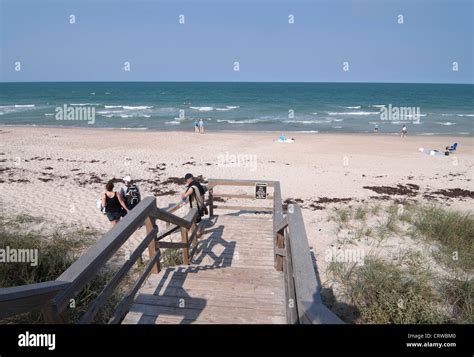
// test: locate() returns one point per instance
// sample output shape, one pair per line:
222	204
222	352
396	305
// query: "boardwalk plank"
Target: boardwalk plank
232	280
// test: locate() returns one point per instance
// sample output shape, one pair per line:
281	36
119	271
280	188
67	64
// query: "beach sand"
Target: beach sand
58	173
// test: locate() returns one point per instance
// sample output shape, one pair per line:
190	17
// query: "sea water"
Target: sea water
308	107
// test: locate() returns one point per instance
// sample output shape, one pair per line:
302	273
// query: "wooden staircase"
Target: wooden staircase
252	265
231	280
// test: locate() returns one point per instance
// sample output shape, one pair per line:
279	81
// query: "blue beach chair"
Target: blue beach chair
453	147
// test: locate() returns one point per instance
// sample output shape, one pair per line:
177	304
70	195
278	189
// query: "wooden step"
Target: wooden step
232	280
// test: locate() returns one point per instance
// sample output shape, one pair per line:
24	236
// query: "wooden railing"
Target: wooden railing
292	254
53	297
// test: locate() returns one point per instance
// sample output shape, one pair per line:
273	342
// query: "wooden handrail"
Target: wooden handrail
291	251
277	219
226	182
117	278
24	298
307	289
173	207
54	296
81	272
163	215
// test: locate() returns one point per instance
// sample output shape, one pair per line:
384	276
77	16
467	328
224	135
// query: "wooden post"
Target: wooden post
194	229
152	248
53	316
280	243
184	239
211	203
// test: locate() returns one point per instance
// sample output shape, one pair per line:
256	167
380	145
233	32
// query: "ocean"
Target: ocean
426	109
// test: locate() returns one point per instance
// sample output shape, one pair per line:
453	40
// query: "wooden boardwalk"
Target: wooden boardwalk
231	279
246	268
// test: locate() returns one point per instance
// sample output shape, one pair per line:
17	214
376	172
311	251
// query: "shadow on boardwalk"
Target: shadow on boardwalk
170	299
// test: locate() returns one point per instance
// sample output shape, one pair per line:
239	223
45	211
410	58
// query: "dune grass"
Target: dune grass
361	212
172	257
385	293
459	293
453	231
405	291
56	252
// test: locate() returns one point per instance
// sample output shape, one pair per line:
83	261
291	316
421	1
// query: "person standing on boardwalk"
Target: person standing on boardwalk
196	192
113	203
201	126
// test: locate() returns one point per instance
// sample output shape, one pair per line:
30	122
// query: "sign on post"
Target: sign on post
261	191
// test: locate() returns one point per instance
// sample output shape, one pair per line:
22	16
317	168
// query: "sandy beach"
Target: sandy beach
58	174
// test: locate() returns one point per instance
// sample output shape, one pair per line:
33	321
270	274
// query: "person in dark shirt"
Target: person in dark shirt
196	192
113	203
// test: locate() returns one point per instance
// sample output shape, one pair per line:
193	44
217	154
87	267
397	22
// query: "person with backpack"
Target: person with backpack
130	193
196	193
113	203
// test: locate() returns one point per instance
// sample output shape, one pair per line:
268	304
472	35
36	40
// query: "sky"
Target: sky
257	34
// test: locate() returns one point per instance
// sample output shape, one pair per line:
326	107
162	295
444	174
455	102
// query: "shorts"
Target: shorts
113	216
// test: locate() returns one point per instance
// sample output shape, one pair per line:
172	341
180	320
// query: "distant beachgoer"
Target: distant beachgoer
283	139
196	193
376	129
404	131
113	203
130	193
201	126
196	127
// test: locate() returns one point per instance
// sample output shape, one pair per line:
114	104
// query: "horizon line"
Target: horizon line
279	82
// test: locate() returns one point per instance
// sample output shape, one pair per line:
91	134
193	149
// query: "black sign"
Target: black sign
260	191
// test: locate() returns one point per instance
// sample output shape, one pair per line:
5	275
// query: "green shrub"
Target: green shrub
56	252
453	230
459	294
386	293
172	257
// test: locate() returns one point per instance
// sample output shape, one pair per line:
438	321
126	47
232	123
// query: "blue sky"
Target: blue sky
257	34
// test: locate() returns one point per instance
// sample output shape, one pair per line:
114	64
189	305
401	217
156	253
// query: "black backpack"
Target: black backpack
132	196
202	191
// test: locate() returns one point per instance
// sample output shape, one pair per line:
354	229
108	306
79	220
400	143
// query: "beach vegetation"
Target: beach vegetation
459	294
361	212
452	231
411	285
57	250
386	293
172	257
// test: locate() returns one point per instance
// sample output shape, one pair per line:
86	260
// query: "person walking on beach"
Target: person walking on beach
376	128
130	193
201	126
113	203
196	127
404	131
196	192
